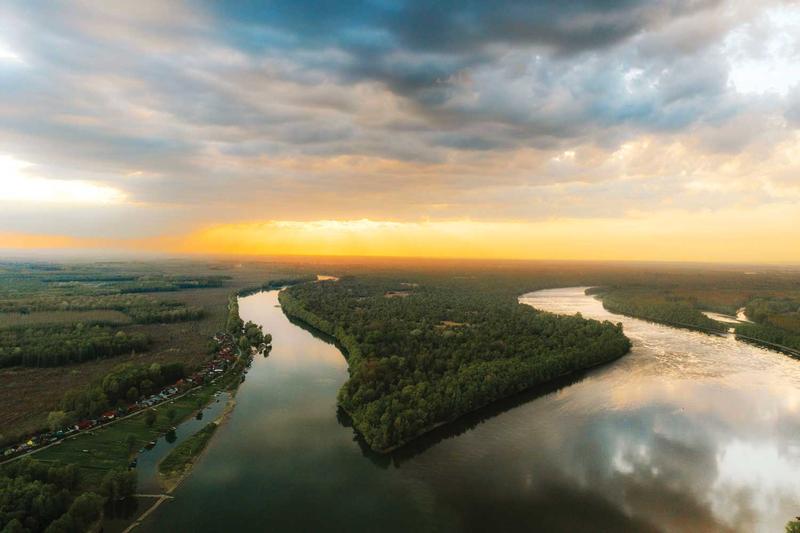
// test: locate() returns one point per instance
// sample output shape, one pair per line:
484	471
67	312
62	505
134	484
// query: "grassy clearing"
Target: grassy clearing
180	459
108	447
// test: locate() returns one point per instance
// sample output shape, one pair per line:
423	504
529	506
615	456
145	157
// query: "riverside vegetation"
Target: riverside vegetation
770	301
423	351
180	458
67	326
76	315
67	489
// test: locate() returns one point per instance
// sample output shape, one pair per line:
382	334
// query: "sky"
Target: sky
583	129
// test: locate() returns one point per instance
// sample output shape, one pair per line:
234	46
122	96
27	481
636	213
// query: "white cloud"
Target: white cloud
17	185
7	54
764	55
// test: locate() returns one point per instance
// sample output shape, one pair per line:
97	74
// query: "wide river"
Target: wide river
688	432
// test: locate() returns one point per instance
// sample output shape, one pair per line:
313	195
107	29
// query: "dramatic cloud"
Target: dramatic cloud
132	119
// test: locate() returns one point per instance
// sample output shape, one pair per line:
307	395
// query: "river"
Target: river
689	432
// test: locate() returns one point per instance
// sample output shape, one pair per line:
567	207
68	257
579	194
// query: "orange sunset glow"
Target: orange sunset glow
584	147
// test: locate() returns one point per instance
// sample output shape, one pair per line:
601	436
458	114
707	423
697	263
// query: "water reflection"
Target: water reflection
714	417
689	432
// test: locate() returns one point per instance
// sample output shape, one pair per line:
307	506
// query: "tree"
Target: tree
244	344
171	414
86	510
150	418
132	395
118	484
15	526
57	420
146	386
131	441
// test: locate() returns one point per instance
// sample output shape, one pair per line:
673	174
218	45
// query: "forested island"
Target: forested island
424	352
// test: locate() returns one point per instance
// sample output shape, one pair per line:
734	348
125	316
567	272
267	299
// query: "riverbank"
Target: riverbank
175	465
723	329
178	464
678	413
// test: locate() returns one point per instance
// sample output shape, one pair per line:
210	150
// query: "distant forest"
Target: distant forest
771	304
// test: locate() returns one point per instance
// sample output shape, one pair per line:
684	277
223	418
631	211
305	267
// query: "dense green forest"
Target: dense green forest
425	351
141	308
57	345
54	315
36	496
124	384
771	305
657	308
40	497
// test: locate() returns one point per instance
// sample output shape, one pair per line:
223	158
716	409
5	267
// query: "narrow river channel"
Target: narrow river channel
688	432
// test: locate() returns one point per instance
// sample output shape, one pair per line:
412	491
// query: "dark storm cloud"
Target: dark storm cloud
284	104
88	61
436	40
453	27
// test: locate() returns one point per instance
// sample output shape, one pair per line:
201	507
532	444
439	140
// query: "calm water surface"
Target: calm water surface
688	432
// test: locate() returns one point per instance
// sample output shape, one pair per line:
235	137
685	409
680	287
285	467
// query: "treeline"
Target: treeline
37	497
142	309
165	314
276	283
775	314
674	312
138	286
248	335
40	497
423	353
769	334
775	310
126	383
56	345
87	277
144	283
777	321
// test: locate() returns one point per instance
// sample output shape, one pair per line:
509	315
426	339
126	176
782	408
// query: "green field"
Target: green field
108	447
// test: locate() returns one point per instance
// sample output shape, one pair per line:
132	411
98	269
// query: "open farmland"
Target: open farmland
61	294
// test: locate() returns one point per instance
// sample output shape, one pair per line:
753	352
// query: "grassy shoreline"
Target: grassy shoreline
106	448
180	460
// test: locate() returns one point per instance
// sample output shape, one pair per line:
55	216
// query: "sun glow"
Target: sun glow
17	185
675	236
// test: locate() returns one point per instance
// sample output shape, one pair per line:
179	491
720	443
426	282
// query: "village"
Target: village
222	361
